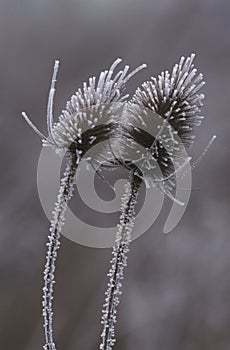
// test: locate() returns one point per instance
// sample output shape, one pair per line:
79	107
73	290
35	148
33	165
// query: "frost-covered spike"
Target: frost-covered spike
111	69
29	122
47	140
135	71
118	263
101	82
197	161
51	99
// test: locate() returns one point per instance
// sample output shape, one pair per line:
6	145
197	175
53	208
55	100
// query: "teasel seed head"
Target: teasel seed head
175	97
90	106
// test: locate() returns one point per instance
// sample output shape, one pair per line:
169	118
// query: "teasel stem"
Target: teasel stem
119	261
64	195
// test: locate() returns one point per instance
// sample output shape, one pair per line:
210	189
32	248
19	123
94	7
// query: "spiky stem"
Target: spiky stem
64	195
118	262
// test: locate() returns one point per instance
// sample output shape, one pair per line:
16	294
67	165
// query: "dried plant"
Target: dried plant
91	117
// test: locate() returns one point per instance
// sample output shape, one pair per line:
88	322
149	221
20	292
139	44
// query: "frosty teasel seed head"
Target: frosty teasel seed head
85	106
175	97
168	106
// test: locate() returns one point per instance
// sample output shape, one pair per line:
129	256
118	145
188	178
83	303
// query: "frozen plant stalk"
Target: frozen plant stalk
64	195
92	116
118	262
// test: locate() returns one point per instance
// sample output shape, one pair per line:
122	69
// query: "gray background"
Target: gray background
177	286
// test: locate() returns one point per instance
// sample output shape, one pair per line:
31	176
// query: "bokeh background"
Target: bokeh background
177	287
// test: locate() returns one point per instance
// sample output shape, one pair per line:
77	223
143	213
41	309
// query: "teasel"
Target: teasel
99	114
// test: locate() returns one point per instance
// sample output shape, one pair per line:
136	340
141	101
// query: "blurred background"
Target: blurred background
176	291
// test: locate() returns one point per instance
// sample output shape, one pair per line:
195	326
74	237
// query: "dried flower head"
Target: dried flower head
85	106
175	97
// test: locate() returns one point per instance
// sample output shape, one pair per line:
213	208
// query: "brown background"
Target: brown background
177	286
